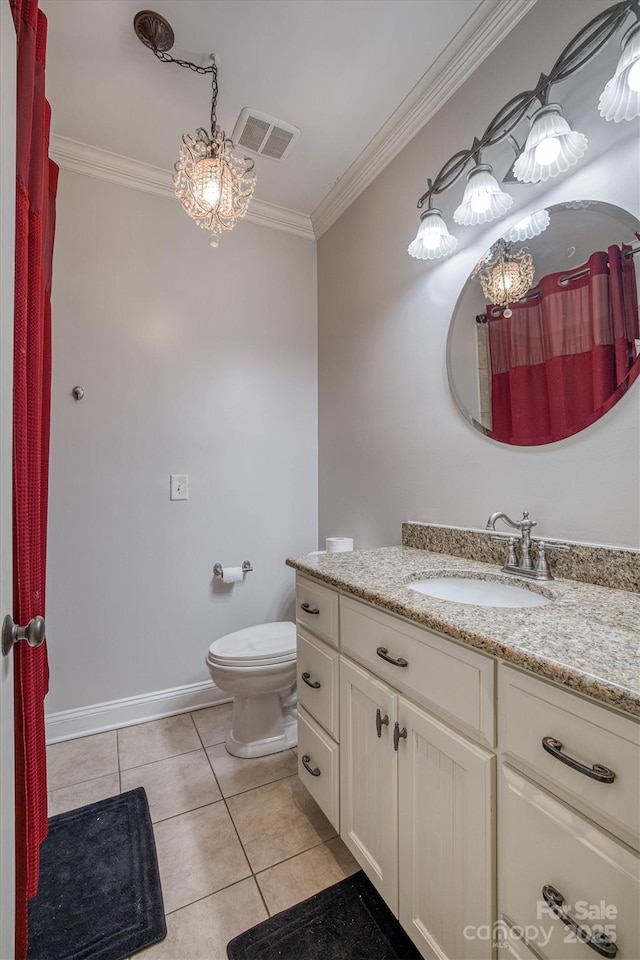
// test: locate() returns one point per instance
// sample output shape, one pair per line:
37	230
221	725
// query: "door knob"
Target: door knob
33	633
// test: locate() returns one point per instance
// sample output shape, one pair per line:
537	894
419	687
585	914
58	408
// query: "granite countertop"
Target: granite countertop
588	639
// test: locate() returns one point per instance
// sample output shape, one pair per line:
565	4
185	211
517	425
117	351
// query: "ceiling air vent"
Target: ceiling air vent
259	133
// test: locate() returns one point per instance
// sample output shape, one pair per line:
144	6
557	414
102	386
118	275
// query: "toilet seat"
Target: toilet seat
261	645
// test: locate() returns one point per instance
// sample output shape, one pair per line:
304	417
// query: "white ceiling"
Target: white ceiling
335	68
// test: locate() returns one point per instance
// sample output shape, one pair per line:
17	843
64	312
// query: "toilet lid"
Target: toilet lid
264	643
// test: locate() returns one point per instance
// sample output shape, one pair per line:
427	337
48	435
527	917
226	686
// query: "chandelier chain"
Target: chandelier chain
213	70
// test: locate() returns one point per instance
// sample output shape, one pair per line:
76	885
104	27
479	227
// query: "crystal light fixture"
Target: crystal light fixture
483	200
214	185
433	240
551	148
620	99
505	274
529	227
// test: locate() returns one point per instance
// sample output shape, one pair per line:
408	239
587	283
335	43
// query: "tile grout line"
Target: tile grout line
118	760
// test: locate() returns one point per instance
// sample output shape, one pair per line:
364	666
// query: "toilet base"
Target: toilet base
263	748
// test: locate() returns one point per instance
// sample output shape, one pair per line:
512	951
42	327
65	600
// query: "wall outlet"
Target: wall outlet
179	486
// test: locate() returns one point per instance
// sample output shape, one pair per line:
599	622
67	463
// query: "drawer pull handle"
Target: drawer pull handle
398	734
399	662
307	609
596	772
311	683
306	763
380	722
600	942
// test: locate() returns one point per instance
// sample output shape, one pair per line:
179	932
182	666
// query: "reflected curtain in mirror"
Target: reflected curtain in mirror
567	353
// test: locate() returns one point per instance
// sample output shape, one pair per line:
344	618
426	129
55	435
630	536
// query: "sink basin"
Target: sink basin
479	593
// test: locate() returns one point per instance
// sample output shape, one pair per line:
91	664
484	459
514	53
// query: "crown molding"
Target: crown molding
480	35
114	168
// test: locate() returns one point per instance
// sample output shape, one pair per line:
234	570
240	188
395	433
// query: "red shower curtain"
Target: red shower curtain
36	182
566	355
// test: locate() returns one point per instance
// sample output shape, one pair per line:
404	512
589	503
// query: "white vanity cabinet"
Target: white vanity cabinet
450	802
416	804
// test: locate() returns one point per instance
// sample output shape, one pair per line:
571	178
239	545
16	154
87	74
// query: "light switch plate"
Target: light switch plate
179	486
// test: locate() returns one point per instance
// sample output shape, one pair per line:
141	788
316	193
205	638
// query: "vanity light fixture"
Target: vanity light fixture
214	185
620	99
483	200
505	274
433	240
529	227
552	147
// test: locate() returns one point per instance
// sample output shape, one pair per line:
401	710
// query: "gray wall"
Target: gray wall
393	445
194	361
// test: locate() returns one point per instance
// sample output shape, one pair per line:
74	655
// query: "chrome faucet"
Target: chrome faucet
524	567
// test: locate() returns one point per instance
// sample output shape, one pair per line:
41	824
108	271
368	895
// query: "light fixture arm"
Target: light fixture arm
586	44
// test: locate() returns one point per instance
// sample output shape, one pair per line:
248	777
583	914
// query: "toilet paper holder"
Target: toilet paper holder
246	568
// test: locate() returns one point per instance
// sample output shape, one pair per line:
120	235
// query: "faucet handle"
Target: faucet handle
542	567
512	559
554	545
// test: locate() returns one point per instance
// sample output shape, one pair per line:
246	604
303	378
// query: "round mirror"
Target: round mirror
544	339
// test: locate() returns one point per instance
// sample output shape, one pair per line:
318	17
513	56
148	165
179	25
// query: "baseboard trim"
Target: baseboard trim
98	717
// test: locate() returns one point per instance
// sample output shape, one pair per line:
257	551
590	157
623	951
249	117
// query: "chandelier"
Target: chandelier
214	185
505	274
551	146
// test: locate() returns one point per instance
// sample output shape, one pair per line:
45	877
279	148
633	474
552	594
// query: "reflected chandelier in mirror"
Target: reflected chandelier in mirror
544	339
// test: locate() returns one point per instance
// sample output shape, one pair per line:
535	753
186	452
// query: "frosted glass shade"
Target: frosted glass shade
551	148
483	200
433	240
529	227
620	99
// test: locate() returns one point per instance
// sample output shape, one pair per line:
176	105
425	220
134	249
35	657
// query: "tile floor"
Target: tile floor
237	840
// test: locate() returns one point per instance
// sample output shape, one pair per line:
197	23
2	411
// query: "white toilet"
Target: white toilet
257	667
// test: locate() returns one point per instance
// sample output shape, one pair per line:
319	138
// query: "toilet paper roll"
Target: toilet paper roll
232	574
339	544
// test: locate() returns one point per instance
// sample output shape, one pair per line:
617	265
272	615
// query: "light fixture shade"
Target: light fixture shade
620	99
505	273
214	186
529	227
551	148
433	240
483	200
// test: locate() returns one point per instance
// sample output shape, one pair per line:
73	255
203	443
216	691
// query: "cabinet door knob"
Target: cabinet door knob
315	684
600	942
307	609
306	763
596	772
396	661
381	722
398	734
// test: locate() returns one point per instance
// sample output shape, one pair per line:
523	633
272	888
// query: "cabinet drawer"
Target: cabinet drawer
438	673
541	841
320	753
317	609
318	675
531	709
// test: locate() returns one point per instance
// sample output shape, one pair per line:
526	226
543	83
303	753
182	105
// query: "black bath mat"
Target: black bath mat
99	896
348	921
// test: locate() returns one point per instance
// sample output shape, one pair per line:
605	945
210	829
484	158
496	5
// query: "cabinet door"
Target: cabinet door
368	778
446	838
